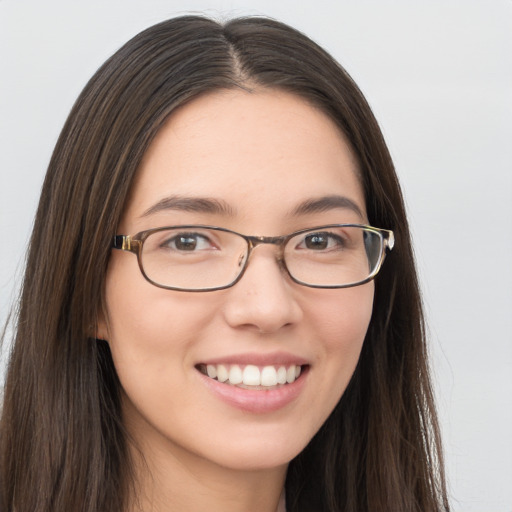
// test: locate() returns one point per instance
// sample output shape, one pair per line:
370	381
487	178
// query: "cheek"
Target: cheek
343	316
153	335
166	328
149	327
341	319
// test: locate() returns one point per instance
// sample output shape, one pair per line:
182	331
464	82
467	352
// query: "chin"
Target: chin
261	451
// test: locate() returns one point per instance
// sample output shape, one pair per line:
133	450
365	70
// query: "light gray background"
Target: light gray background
439	77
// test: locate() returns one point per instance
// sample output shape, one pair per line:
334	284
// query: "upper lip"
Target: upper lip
258	359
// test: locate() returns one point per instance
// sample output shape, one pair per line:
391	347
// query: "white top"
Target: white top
281	507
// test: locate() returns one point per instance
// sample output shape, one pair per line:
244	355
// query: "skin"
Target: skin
262	153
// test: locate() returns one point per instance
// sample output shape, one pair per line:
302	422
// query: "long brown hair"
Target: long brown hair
62	444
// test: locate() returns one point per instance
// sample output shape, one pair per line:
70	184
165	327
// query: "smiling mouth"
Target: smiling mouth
251	376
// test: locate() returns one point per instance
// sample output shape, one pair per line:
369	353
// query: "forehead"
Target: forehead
259	152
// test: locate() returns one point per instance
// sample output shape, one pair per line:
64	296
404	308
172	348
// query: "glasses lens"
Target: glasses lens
193	258
334	256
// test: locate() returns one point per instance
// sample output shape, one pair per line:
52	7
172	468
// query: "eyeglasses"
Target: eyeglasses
207	258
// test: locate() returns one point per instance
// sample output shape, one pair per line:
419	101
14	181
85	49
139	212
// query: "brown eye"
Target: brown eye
185	243
321	241
188	242
317	241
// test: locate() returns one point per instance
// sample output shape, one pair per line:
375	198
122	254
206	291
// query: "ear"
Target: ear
101	331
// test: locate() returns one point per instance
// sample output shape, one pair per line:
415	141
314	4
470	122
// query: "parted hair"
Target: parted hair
62	442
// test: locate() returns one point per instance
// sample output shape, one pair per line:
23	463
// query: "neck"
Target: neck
175	479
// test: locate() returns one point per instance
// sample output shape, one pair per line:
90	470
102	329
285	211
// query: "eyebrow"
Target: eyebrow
191	204
220	207
326	203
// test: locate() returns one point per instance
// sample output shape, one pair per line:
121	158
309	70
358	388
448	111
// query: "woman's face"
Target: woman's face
269	159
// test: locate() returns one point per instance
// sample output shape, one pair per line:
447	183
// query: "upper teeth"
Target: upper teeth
252	375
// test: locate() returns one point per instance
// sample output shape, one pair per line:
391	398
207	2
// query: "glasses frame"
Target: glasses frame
135	243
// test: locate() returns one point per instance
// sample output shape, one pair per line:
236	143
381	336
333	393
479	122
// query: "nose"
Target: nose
264	299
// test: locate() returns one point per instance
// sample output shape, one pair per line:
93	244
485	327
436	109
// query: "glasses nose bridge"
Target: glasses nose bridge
279	241
254	241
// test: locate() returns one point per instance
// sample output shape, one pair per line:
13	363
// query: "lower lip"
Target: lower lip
258	401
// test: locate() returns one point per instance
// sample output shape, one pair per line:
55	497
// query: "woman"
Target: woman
244	357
